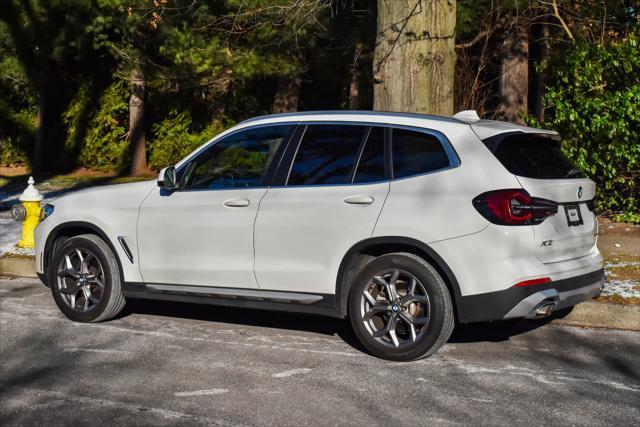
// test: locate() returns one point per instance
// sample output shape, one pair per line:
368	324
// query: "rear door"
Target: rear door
330	196
544	171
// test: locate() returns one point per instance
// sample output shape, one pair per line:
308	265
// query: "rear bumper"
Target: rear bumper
522	302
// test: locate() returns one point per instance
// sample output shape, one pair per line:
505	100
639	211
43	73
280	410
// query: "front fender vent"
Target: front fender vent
125	248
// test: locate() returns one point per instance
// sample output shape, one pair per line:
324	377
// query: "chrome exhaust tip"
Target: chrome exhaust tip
544	309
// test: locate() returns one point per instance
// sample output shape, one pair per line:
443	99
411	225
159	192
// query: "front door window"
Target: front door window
238	161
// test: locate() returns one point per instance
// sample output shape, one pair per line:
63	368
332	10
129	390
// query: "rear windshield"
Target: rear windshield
532	156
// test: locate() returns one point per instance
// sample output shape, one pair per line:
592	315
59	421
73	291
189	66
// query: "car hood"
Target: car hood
117	194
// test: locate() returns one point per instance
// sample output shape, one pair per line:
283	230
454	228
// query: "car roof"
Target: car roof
483	128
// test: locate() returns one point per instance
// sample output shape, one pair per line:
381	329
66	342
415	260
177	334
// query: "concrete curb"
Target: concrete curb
588	314
18	266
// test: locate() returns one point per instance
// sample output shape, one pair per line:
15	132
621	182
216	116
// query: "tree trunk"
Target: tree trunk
514	76
541	77
47	147
414	57
354	84
288	94
38	147
136	124
354	89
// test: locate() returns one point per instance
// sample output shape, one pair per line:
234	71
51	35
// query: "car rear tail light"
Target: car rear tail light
514	207
533	282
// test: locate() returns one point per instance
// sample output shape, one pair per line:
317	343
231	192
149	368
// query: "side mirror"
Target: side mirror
167	178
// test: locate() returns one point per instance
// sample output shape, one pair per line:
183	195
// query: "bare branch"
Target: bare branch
556	13
476	39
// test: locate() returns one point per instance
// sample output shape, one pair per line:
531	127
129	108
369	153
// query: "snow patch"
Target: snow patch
210	392
620	264
623	288
95	350
291	373
10	233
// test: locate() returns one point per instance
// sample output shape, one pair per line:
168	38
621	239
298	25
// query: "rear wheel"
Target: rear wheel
85	280
400	308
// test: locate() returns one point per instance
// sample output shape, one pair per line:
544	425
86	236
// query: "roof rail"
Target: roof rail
354	112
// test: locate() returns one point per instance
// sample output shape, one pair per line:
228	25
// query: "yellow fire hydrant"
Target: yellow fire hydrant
29	212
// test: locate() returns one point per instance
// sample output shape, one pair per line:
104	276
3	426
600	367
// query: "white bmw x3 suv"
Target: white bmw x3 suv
402	223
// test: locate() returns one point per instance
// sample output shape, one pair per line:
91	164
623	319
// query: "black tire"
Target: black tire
111	301
441	318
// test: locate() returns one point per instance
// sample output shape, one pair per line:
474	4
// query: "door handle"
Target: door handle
237	203
359	200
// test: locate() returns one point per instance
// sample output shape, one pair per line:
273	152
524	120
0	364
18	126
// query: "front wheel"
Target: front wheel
400	308
85	280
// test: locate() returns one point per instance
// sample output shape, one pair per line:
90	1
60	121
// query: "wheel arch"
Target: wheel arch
360	253
73	229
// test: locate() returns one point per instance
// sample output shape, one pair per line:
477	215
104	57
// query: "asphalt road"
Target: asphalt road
180	364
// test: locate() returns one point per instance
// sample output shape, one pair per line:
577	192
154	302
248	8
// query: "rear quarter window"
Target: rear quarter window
532	156
416	153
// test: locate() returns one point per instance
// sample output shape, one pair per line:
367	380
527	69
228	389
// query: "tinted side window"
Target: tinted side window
239	161
416	153
326	155
371	165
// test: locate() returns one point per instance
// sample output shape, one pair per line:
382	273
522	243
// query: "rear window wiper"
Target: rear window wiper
573	172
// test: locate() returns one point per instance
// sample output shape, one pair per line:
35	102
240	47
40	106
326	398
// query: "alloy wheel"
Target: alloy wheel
80	279
395	308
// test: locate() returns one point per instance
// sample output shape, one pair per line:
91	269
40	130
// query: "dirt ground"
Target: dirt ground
620	245
618	239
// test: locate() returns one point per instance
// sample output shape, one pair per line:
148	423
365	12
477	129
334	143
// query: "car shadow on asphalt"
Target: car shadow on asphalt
469	333
500	330
245	316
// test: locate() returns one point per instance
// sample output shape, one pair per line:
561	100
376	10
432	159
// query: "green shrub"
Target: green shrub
175	137
105	146
11	153
18	108
594	102
17	130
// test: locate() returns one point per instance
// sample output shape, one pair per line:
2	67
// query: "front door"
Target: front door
202	234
